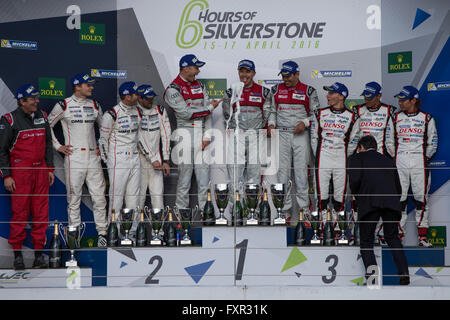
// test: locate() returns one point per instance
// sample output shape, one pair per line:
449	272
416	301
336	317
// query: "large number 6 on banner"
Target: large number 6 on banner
186	24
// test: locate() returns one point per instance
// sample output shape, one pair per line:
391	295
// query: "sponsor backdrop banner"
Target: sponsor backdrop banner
332	41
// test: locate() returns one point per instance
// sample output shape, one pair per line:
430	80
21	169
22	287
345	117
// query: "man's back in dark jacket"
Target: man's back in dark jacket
374	181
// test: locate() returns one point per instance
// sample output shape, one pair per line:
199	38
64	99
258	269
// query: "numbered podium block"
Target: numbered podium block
257	237
72	278
303	266
180	266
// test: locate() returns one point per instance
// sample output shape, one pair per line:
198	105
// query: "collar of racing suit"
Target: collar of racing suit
78	100
412	114
373	109
337	111
150	110
127	109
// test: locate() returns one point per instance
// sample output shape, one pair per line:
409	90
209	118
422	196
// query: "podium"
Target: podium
230	256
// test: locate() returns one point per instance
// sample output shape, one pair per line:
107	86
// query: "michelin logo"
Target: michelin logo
316	74
436	86
115	74
18	44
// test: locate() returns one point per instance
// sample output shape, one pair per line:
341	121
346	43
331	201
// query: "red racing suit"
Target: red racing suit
26	155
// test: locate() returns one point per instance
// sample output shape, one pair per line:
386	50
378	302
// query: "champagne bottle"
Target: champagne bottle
209	218
55	249
171	231
113	232
141	232
237	211
329	231
300	238
264	210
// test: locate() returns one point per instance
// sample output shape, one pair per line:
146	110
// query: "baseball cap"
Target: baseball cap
190	60
408	92
288	68
338	88
371	90
248	64
81	78
146	91
27	90
128	87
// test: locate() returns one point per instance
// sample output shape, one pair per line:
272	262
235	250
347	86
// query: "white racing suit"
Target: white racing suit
190	102
246	151
119	149
291	106
334	137
155	126
77	118
378	122
416	142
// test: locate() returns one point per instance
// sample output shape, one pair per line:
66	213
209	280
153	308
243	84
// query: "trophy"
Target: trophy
279	194
156	221
185	217
315	224
342	221
126	220
72	237
251	194
222	194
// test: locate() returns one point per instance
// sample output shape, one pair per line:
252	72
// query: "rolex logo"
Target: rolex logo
52	84
400	58
433	233
92	29
211	84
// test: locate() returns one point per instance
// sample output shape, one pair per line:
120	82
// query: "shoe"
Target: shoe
423	242
40	262
18	263
101	241
381	241
404	280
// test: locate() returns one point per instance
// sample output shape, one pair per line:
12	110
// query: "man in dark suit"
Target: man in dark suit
376	185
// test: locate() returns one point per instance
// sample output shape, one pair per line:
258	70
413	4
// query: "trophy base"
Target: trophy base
126	243
343	242
185	242
72	263
279	221
252	222
222	222
155	242
316	242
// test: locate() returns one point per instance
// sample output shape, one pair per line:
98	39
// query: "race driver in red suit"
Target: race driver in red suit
26	165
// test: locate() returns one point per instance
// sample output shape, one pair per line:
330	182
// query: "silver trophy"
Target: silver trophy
222	193
342	222
126	220
185	217
279	194
315	224
251	194
72	237
156	218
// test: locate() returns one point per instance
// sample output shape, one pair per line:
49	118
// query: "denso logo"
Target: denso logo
334	125
371	124
411	130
